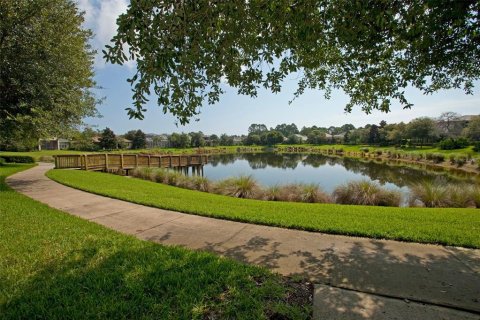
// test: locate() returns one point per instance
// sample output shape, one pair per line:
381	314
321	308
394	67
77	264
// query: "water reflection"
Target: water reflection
327	171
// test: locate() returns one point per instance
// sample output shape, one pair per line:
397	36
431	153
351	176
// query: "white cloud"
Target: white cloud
101	17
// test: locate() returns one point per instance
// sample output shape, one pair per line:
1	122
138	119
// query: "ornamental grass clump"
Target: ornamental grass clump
273	193
368	193
201	183
312	193
432	194
239	187
143	173
460	196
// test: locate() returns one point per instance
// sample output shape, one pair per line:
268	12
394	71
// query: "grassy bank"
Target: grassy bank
460	227
56	266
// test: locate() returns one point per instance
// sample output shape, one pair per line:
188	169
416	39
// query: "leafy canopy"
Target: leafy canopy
46	68
371	49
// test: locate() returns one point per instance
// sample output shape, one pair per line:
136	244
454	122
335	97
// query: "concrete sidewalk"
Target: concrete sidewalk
442	282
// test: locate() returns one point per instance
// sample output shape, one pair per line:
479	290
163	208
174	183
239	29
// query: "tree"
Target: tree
83	141
448	122
139	140
108	140
423	129
373	134
252	139
46	69
373	51
214	140
316	137
273	137
197	139
287	129
179	140
257	128
472	131
226	140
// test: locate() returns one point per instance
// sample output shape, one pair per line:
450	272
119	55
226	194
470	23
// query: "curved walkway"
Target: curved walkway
357	278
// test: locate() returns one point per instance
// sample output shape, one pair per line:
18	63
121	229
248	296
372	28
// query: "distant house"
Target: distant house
302	138
53	144
237	140
157	141
124	143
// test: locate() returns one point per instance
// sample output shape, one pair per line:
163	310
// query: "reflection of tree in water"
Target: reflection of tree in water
381	172
384	173
259	160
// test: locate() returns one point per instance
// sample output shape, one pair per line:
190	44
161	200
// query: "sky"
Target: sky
234	113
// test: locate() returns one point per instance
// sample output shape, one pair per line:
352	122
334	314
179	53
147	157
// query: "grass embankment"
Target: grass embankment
459	227
56	266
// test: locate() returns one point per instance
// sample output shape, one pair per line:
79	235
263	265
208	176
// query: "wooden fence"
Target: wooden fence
108	161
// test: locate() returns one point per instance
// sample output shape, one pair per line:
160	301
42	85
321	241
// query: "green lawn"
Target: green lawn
459	227
57	266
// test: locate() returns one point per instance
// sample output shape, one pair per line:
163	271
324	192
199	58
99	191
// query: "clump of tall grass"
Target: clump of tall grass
273	193
143	173
460	196
431	194
201	183
239	187
368	193
313	194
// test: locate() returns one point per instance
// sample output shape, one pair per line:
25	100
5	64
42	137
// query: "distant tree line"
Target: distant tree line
449	131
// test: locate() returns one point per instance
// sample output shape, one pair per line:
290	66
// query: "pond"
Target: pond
328	172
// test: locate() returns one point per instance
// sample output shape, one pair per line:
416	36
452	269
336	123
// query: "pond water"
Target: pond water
328	172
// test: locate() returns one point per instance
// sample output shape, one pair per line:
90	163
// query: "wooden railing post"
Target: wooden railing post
121	161
86	162
136	161
148	161
106	161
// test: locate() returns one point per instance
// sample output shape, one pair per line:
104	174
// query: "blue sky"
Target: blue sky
234	113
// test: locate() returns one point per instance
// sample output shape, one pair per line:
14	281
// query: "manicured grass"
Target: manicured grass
459	227
56	266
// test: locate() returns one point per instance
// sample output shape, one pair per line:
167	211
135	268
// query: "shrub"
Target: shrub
159	175
429	156
460	160
364	150
432	194
143	173
2	162
18	159
438	158
366	193
451	144
476	146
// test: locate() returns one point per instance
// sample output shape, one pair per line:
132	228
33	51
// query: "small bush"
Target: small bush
438	158
364	150
366	193
452	144
460	160
429	156
476	146
18	159
2	162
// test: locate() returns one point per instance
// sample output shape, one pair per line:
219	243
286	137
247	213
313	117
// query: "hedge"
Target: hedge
18	159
